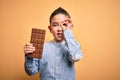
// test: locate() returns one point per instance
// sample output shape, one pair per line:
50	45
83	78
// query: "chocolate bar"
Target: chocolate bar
37	39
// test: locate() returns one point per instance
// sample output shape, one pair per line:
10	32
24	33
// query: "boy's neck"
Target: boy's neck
61	42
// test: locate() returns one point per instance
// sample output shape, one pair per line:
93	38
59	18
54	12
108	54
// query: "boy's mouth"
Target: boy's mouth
60	34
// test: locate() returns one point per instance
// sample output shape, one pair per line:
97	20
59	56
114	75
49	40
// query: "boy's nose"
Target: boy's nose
60	27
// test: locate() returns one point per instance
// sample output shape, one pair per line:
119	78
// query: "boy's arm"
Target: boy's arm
74	51
31	65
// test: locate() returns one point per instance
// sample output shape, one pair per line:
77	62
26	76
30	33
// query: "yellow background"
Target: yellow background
96	28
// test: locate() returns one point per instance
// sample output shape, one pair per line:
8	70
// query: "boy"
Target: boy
59	55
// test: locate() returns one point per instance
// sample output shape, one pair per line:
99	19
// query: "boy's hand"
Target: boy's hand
29	48
67	24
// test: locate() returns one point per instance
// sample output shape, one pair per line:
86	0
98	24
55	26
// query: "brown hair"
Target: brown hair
59	11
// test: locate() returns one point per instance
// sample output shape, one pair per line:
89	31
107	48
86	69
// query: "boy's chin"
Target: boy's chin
58	40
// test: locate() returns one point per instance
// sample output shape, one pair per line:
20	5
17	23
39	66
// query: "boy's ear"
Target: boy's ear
49	27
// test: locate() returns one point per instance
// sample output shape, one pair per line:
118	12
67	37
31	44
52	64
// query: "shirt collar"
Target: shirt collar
59	43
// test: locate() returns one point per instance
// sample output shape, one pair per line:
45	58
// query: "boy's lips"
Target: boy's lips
60	34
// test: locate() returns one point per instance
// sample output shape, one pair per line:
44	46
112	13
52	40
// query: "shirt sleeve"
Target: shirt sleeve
74	51
31	65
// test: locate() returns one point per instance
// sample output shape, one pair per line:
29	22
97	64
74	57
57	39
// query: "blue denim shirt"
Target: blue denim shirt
57	61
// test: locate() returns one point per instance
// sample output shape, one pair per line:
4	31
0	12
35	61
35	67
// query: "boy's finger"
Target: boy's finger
30	48
27	52
70	23
29	44
62	26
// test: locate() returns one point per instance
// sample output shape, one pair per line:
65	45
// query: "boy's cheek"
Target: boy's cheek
54	33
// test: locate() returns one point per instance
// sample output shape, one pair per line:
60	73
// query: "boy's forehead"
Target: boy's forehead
59	18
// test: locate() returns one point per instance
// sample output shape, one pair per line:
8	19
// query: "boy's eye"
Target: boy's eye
54	24
64	24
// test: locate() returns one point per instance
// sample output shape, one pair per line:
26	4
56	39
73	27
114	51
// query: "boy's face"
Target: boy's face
57	26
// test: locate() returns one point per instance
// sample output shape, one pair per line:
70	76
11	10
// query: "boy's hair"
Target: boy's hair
59	11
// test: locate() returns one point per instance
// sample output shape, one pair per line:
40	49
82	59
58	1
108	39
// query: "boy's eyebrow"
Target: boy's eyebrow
58	22
54	23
